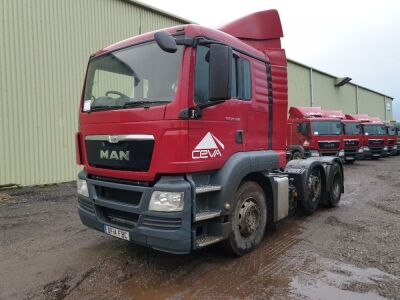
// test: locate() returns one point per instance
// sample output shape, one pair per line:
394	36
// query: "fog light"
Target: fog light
166	201
366	148
361	150
82	187
314	153
341	153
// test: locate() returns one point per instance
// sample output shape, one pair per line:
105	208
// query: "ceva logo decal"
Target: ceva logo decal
209	147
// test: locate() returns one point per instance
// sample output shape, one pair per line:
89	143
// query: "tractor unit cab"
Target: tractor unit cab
315	134
182	136
352	136
374	136
391	131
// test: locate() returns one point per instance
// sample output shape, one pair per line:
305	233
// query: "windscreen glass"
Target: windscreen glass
136	75
326	128
375	129
352	128
391	131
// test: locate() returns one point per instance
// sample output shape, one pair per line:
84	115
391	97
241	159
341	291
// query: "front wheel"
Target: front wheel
248	219
350	161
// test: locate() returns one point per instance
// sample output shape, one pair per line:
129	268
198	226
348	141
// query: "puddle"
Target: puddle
340	281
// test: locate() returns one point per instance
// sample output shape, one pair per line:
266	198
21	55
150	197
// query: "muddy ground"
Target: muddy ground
349	252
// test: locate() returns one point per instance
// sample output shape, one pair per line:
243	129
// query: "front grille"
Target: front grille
350	143
376	150
328	144
86	204
119	195
120	218
350	152
329	153
132	155
375	142
162	223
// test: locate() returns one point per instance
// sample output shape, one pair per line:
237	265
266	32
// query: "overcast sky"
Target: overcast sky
358	39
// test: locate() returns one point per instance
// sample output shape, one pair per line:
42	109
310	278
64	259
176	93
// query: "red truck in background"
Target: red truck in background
311	134
374	136
352	136
182	138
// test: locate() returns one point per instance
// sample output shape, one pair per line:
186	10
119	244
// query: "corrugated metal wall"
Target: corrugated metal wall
44	48
326	95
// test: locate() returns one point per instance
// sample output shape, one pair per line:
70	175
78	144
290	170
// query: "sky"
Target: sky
358	39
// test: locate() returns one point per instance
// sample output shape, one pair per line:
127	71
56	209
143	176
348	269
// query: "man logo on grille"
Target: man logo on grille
209	147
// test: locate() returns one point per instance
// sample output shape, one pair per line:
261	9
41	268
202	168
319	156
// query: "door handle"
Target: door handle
239	136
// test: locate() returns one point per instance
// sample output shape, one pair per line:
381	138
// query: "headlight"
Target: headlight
306	144
361	150
341	153
314	153
82	187
385	148
166	201
366	148
395	147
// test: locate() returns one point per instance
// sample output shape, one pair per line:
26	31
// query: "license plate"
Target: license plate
122	234
350	157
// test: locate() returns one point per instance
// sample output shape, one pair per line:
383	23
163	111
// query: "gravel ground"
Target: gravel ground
349	252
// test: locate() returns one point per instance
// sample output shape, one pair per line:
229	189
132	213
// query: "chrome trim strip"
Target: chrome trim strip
330	141
119	137
350	139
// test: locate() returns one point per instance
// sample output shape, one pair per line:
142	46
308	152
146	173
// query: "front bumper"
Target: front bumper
125	206
353	154
321	153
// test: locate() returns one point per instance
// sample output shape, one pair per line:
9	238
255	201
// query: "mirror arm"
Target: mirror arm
197	111
190	42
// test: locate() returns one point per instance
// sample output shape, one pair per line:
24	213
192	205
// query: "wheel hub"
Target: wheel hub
314	186
249	218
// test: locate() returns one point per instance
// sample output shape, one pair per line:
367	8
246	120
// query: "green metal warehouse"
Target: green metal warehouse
44	48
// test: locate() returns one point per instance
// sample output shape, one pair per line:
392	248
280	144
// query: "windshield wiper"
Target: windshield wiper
145	103
104	107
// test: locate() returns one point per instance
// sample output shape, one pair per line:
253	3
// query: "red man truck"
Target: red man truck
374	136
352	136
311	134
182	138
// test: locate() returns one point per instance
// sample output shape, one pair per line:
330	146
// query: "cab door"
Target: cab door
218	132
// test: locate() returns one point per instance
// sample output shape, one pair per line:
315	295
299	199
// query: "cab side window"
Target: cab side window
241	76
304	128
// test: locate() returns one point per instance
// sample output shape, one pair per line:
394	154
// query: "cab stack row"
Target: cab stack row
314	132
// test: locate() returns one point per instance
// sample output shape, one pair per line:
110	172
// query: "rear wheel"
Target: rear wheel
336	185
248	219
314	191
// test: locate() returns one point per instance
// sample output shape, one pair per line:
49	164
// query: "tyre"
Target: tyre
336	185
248	219
350	161
314	191
297	155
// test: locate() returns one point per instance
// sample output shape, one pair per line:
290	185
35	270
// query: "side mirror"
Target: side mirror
220	72
166	41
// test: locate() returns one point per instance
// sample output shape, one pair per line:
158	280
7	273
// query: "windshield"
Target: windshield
391	131
375	129
352	128
140	74
326	127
